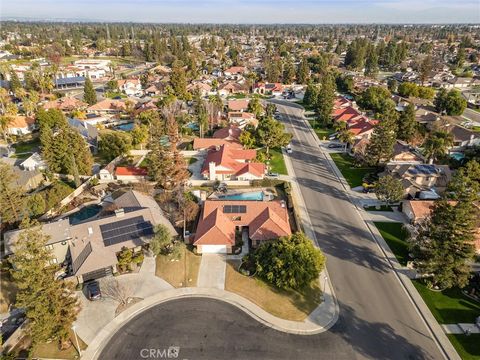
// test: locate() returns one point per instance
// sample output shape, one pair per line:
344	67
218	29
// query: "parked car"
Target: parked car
272	174
93	291
289	149
335	146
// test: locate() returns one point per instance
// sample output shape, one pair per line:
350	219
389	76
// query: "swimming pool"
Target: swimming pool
254	195
84	213
457	156
125	127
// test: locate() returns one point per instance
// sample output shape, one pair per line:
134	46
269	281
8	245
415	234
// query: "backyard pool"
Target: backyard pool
254	195
84	213
125	127
457	156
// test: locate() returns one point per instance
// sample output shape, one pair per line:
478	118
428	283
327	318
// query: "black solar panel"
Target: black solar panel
82	257
124	230
235	209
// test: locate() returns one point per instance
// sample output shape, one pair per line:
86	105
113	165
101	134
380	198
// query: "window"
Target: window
49	247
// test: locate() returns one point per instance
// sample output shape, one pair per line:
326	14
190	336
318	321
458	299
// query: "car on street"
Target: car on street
272	174
289	149
335	146
93	291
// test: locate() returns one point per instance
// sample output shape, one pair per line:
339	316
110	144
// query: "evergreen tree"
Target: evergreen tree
371	63
303	74
15	83
311	94
50	304
389	189
407	125
255	107
382	141
114	143
288	72
89	94
437	144
271	134
12	196
178	80
325	99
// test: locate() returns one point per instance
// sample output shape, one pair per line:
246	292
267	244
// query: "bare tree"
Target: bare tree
112	289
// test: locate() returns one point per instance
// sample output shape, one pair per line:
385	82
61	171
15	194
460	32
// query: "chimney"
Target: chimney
119	213
211	170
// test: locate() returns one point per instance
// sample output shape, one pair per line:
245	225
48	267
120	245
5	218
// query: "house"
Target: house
418	211
107	174
33	162
419	177
203	88
403	153
230	133
65	104
235	72
130	86
28	179
153	90
89	132
230	88
238	105
88	250
220	221
463	138
242	119
229	163
69	82
208	143
275	89
21	125
108	106
131	173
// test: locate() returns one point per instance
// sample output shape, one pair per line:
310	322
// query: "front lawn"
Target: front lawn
353	174
395	236
27	146
322	132
176	272
467	346
449	306
290	305
277	163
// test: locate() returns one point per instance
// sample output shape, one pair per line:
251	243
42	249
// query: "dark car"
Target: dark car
335	146
272	174
93	291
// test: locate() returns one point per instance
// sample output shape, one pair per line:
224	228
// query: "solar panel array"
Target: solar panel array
82	257
124	230
422	169
234	209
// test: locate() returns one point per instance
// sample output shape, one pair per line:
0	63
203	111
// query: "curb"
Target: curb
307	327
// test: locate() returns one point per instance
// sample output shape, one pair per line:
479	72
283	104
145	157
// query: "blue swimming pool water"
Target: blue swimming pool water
457	156
84	213
125	127
254	195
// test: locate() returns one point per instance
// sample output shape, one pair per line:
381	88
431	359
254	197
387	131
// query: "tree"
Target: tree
344	134
271	134
425	68
303	73
437	145
389	189
125	259
15	83
374	98
288	72
407	125
36	204
89	94
247	139
255	107
139	134
178	80
408	89
161	243
451	102
371	62
392	85
426	92
50	304
382	141
443	246
114	143
291	262
325	99
12	196
311	94
345	83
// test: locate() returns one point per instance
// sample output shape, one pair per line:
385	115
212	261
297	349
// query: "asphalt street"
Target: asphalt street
377	319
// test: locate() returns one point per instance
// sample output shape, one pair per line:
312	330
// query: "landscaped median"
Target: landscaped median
350	171
289	305
449	306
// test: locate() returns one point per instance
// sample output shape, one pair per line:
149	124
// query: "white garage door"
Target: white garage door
214	249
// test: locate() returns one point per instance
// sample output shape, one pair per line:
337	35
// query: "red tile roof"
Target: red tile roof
207	143
131	170
233	159
238	105
228	133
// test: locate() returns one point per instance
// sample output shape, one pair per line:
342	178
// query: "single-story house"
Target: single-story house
28	179
221	221
34	162
209	143
21	125
131	173
238	105
108	106
65	104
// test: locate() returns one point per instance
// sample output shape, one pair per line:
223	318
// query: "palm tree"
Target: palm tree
344	134
5	120
437	144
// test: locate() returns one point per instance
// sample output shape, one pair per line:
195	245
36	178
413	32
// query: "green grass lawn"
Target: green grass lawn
277	163
353	174
321	131
395	236
27	146
468	347
449	306
476	128
192	160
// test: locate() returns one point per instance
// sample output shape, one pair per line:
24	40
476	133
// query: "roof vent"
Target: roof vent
119	213
90	230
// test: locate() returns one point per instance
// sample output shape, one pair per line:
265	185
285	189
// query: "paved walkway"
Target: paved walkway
388	216
314	324
212	271
97	314
461	329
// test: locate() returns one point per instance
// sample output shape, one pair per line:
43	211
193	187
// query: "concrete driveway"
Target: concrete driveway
96	314
212	271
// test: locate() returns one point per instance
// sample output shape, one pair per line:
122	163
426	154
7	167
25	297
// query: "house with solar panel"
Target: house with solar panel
416	178
88	250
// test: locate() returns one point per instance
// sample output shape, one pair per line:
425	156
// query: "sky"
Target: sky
247	11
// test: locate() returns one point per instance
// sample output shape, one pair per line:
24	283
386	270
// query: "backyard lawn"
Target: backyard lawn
449	306
27	146
321	131
277	163
353	174
467	346
395	236
290	305
174	271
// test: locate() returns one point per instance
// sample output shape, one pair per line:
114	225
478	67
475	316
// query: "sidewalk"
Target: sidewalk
461	329
403	275
316	323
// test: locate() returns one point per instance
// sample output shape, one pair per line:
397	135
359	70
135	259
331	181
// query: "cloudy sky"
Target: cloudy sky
248	11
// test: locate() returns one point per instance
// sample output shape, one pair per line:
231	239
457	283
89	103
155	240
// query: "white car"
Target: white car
289	150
